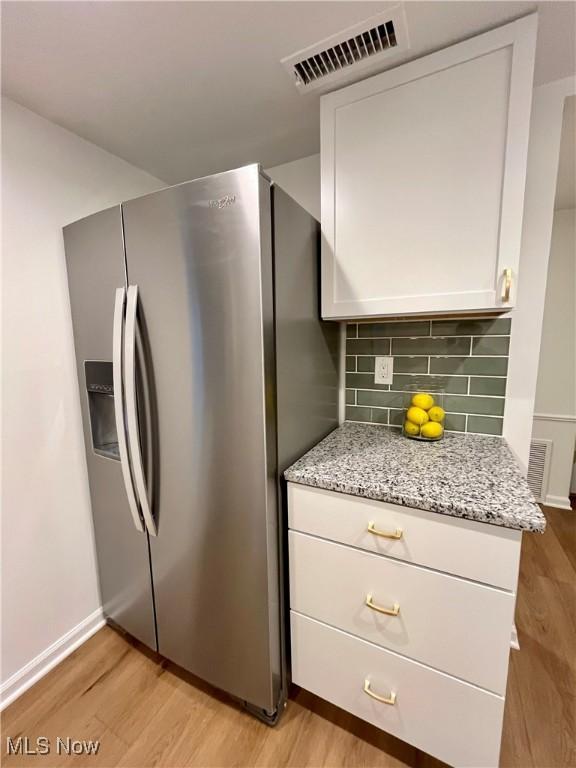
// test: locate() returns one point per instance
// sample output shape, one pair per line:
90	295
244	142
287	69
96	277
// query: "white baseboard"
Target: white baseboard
514	642
49	658
561	502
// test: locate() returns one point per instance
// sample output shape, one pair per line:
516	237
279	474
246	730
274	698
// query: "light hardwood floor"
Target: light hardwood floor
145	712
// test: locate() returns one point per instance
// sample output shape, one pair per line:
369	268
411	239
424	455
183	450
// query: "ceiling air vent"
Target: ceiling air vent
351	54
539	468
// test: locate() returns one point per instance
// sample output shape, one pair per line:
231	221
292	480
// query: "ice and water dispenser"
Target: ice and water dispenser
100	389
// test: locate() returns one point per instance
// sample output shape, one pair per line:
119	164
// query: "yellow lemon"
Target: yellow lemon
436	413
417	415
411	429
431	430
423	400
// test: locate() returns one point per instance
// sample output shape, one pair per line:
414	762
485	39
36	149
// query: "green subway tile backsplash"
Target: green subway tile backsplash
465	358
490	345
432	346
455	422
351	331
458	385
381	399
365	364
363	381
372	415
387	330
485	425
410	365
493	406
354	413
368	346
486	385
472	366
379	415
491	327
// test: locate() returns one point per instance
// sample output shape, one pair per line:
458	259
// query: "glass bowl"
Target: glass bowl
424	416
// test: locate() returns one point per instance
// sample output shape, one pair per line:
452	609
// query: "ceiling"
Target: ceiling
566	186
183	89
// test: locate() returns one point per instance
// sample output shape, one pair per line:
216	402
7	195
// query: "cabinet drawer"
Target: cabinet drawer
457	626
486	553
450	719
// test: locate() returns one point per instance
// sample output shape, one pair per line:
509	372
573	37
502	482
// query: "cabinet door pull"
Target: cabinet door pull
382	699
507	285
397	534
394	611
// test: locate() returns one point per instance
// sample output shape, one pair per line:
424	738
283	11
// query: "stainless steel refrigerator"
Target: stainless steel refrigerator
204	370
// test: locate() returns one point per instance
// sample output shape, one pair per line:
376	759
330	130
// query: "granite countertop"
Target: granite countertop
470	476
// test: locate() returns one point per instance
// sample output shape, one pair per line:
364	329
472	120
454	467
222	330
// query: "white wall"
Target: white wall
50	177
527	317
555	417
556	388
301	179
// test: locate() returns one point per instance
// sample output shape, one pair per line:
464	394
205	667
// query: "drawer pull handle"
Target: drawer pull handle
507	285
397	534
394	611
382	699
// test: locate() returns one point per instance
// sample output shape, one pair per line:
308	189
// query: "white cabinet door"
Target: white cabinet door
423	174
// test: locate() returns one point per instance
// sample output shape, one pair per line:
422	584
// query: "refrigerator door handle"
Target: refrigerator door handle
118	382
132	409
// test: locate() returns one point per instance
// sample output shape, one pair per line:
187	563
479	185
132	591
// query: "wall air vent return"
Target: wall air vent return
539	468
351	54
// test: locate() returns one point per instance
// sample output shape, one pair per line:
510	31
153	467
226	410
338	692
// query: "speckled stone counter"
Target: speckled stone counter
470	476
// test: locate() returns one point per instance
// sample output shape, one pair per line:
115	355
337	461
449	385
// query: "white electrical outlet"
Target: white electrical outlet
383	370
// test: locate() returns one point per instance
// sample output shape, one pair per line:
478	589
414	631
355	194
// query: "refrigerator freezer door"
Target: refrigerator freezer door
95	263
200	254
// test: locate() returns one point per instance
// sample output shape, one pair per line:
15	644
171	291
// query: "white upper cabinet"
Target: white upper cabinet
423	175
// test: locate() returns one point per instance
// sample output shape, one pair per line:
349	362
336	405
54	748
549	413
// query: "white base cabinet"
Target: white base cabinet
409	637
423	173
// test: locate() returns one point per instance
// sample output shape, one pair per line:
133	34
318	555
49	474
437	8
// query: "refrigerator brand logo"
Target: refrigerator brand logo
223	202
